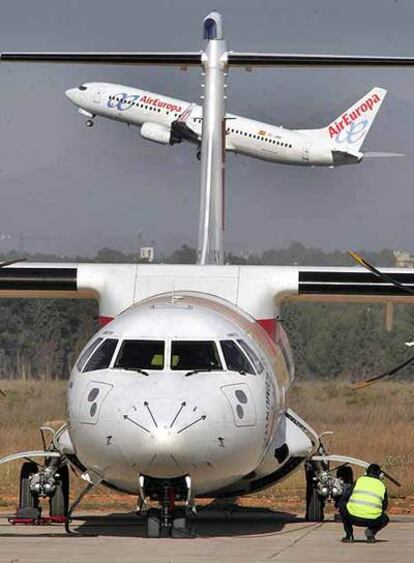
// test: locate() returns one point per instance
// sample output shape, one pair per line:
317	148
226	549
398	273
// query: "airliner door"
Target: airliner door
98	95
306	153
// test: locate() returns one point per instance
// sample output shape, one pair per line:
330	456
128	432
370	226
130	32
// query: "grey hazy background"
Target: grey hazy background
68	189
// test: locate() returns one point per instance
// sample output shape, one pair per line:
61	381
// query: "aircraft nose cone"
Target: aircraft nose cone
169	436
71	94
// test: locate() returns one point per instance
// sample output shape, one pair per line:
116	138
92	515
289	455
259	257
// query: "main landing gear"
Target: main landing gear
324	483
50	481
168	520
315	502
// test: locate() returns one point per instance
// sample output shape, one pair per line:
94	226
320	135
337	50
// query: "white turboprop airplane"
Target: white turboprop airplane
182	393
168	121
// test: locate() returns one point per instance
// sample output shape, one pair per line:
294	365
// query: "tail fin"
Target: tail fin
348	131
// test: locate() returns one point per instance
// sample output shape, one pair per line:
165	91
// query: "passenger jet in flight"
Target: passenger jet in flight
169	121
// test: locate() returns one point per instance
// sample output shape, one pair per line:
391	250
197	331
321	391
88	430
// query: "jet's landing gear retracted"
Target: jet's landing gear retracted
169	520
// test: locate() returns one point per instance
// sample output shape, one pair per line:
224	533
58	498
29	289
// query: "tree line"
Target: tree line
41	338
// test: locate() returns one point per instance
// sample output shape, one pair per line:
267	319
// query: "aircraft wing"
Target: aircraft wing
254	289
291	59
353	284
37	280
184	59
120	58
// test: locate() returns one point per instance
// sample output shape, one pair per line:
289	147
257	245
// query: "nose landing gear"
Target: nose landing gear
169	520
90	122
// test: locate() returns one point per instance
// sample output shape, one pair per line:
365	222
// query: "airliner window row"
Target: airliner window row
143	106
259	137
253	136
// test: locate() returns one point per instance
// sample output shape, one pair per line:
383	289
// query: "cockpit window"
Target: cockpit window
87	353
82	87
101	358
235	359
252	356
194	355
141	354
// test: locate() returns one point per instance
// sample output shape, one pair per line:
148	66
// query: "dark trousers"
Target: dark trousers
374	525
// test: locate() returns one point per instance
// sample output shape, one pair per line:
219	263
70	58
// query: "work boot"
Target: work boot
347	539
369	534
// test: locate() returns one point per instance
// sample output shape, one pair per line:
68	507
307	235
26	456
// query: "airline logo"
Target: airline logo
350	119
123	101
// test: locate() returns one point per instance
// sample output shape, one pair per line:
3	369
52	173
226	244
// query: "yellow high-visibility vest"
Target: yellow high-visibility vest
367	497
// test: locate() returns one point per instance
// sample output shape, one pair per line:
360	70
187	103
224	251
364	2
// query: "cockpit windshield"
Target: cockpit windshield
235	359
252	356
102	357
194	355
141	355
85	355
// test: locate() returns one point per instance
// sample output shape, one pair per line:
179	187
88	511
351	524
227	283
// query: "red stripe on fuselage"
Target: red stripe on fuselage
270	326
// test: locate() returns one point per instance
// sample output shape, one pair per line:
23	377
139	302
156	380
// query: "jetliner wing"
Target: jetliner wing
181	129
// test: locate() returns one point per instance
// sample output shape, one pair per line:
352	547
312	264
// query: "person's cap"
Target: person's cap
374	470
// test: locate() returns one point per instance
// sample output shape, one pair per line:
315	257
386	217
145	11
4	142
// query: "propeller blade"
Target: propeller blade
381	275
388	373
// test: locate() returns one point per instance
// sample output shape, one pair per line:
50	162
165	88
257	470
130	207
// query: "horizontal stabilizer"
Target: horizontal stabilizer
374	154
346	157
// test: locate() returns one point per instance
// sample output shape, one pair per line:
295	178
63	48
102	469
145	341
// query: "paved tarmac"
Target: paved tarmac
244	536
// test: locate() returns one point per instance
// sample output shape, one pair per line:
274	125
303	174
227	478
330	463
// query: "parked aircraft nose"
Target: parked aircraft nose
158	432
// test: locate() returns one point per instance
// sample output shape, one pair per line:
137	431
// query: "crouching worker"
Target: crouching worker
366	505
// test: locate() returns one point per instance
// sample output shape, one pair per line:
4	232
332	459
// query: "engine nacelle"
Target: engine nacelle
156	133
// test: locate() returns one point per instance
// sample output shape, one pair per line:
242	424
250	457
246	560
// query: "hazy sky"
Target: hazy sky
71	189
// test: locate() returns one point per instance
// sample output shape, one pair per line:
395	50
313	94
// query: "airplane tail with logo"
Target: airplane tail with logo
348	131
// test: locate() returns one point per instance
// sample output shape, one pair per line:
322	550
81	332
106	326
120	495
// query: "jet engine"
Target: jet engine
156	133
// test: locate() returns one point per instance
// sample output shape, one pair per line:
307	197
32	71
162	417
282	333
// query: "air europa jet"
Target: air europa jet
169	121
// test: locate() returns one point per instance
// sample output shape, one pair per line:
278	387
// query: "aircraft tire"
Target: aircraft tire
59	502
179	523
26	498
153	523
315	506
